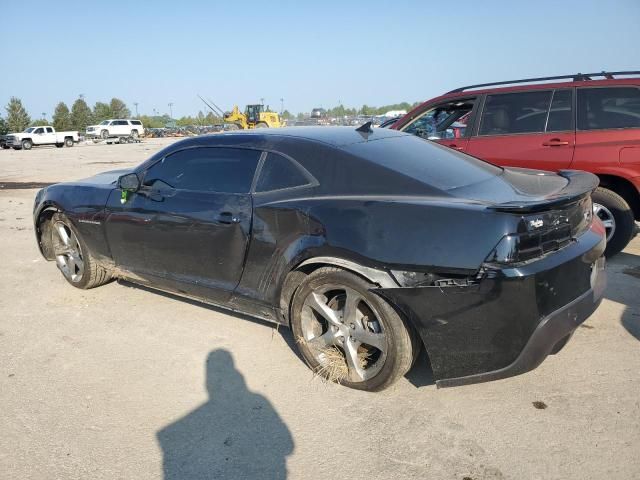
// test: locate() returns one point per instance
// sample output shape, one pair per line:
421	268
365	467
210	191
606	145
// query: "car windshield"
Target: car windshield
29	130
104	122
425	161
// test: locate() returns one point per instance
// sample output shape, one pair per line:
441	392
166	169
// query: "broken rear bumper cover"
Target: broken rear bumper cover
512	319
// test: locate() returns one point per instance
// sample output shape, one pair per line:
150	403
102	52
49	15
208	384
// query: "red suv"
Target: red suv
551	123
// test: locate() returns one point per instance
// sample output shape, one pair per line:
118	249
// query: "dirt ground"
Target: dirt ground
124	383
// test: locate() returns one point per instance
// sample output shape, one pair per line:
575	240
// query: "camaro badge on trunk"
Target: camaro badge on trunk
537	223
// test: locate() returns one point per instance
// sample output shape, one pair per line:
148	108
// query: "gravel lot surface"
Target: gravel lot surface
119	382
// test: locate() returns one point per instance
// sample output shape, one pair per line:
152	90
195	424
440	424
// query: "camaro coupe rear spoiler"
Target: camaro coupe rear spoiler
580	184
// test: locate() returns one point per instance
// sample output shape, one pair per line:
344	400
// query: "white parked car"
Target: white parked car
35	136
116	128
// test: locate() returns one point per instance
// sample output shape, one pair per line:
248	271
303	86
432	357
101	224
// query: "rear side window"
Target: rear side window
226	170
136	122
600	108
279	172
507	113
49	130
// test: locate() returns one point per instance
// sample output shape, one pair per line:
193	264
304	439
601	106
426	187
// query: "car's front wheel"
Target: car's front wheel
68	142
348	334
104	134
27	144
617	217
73	257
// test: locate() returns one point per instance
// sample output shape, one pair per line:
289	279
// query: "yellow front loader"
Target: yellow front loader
254	116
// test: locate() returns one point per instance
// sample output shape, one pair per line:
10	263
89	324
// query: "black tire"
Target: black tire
623	218
104	134
262	125
17	148
59	145
68	142
27	144
401	345
94	273
134	134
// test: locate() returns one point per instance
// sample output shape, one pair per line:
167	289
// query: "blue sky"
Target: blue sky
311	53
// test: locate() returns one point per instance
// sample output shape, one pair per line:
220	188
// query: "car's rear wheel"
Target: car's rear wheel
73	258
27	144
349	335
68	142
617	217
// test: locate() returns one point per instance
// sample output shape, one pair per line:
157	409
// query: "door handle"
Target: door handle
228	218
555	142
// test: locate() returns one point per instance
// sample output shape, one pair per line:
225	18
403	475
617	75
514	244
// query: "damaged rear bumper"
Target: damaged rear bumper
510	321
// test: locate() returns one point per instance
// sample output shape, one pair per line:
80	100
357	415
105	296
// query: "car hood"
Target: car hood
518	189
104	178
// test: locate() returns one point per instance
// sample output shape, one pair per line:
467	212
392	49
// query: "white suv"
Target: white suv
116	128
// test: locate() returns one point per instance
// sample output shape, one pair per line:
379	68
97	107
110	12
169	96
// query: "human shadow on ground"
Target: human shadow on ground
236	434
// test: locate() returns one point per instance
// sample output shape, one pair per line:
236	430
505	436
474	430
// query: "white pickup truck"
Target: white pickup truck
36	136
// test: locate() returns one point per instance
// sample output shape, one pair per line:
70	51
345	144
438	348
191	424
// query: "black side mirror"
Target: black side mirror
129	182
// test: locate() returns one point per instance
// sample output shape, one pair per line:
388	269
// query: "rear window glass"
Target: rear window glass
600	108
279	172
136	122
427	162
515	113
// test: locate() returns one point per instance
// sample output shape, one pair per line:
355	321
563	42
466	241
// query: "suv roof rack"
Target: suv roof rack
578	77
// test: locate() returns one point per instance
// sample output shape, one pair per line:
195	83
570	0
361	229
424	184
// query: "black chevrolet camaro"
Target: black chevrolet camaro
368	243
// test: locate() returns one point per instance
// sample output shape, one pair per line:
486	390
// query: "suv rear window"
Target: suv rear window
507	113
616	107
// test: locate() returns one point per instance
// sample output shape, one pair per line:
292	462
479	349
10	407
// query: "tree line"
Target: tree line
81	115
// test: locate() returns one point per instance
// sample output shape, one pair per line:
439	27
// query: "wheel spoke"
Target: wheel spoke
351	306
356	372
62	234
79	263
318	302
608	223
376	340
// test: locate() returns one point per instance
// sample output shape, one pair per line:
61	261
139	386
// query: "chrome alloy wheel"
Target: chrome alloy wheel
68	252
608	220
335	317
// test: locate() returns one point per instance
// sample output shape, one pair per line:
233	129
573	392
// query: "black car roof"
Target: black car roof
336	136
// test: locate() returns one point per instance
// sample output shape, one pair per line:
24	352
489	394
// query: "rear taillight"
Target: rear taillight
542	233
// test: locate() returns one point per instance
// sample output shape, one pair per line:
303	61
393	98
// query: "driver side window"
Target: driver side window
227	170
445	121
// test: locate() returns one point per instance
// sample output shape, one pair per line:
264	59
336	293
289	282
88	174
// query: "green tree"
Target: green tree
4	129
40	122
102	111
287	115
119	109
62	117
80	115
17	117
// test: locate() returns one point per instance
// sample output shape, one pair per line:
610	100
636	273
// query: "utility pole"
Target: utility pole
261	101
281	105
170	110
44	116
136	104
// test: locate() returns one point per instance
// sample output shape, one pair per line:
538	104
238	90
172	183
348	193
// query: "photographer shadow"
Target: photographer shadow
235	434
